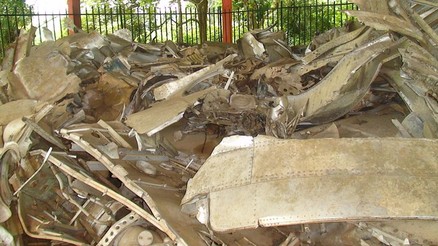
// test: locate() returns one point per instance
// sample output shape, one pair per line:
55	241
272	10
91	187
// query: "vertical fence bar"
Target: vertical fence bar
300	9
144	25
239	24
191	25
287	27
104	20
308	27
208	25
221	35
323	20
87	26
197	30
98	16
139	29
233	14
187	26
166	23
155	24
23	16
171	24
299	21
54	26
60	23
160	24
282	20
39	26
334	13
214	24
150	25
117	17
93	19
317	20
2	41
342	16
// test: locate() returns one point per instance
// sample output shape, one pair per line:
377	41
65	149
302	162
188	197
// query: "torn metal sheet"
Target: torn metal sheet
16	110
179	86
107	98
387	23
83	40
345	85
422	105
251	47
332	44
43	76
422	68
163	114
263	184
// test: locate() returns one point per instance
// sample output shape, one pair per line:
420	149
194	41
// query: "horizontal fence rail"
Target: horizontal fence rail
300	22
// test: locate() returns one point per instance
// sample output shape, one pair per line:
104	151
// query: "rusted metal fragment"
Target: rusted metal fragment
106	99
163	114
345	85
284	182
43	76
387	23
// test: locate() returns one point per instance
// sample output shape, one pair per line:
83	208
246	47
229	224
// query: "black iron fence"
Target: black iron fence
300	22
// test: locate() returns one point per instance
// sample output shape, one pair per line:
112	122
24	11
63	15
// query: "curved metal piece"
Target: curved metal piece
270	182
345	85
118	227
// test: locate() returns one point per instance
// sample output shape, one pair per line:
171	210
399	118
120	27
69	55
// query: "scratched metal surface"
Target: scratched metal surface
319	180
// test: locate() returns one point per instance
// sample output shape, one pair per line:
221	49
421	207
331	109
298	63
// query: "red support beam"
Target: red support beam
227	33
74	12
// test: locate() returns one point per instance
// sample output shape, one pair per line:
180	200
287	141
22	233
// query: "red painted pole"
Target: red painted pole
227	21
74	12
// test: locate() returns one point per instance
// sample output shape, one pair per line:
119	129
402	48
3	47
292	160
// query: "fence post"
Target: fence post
74	12
227	21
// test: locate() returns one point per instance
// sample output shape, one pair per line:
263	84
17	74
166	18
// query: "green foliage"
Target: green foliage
315	17
13	16
299	19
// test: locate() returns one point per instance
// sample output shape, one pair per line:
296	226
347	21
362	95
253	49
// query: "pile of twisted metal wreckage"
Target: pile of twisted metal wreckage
110	142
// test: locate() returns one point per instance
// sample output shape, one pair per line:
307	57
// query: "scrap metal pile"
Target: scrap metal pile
110	142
